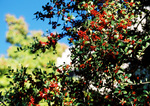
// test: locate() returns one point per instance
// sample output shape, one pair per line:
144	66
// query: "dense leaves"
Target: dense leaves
20	37
103	44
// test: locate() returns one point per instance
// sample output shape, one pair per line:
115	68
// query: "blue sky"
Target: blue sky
25	8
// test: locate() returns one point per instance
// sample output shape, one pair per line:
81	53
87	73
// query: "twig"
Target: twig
138	83
140	21
3	103
142	83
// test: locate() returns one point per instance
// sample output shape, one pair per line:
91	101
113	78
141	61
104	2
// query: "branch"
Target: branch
142	83
138	83
140	21
3	103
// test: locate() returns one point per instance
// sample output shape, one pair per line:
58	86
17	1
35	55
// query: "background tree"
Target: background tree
19	36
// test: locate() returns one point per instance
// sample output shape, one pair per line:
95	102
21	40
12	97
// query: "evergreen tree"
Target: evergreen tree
19	36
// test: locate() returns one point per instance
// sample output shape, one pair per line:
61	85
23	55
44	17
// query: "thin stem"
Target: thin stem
3	103
49	104
138	83
140	21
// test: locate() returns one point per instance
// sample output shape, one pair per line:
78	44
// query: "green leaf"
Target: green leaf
119	72
129	75
121	44
125	92
87	42
78	104
116	91
147	44
129	81
112	22
145	91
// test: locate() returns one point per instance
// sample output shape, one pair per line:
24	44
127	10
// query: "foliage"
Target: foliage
19	36
103	43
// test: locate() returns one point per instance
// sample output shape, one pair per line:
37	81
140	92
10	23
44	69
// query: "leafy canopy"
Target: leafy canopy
103	43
